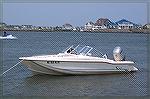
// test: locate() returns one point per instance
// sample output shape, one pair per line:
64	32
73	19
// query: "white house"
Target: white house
89	26
97	27
125	24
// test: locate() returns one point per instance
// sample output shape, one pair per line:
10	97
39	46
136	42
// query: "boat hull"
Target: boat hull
8	37
77	68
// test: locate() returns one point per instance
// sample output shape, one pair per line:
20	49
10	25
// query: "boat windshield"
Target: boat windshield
68	49
86	50
78	50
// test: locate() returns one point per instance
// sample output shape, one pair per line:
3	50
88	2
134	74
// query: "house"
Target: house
89	25
17	27
146	26
125	24
104	23
101	23
3	25
27	26
67	26
97	27
10	27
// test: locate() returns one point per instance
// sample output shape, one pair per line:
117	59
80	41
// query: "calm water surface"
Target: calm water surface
20	81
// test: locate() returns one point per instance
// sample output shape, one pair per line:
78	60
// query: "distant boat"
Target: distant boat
7	36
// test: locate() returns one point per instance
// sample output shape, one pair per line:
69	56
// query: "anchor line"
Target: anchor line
11	68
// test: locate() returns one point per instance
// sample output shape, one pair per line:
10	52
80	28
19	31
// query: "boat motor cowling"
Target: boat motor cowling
117	53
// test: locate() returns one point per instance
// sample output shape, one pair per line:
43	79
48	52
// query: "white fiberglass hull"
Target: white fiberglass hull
8	37
77	68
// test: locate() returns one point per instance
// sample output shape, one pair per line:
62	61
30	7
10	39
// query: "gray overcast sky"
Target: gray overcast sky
77	14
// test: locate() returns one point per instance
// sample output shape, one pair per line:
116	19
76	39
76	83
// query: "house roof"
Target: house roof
67	25
90	23
124	21
104	21
147	25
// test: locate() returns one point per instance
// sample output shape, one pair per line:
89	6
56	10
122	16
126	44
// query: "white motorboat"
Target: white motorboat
7	36
79	61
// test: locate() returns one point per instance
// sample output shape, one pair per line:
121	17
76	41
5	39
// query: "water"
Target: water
20	81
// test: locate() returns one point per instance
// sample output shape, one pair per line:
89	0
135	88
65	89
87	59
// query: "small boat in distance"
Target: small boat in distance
7	36
79	61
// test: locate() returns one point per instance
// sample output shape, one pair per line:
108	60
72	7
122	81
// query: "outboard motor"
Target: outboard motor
117	53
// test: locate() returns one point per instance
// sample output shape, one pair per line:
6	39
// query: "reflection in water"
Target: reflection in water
81	85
